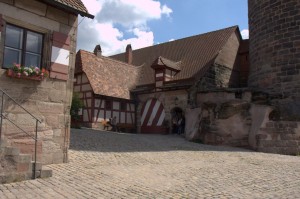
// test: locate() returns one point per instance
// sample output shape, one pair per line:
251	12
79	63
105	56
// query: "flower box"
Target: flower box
31	73
11	73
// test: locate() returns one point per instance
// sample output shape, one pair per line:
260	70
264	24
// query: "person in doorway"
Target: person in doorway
174	124
114	123
181	125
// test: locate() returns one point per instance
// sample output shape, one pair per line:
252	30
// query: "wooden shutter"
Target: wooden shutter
60	56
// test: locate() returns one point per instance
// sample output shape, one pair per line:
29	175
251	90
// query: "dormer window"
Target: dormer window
169	74
165	70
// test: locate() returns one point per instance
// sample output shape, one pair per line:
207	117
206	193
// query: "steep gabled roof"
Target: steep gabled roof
195	53
161	61
75	6
107	76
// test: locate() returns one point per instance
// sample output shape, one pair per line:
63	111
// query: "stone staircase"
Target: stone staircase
15	166
15	162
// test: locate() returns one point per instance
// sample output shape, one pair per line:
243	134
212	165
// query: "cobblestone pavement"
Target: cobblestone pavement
116	165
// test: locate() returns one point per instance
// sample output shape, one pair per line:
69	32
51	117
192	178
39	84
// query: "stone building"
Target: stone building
165	78
227	95
40	34
194	77
275	74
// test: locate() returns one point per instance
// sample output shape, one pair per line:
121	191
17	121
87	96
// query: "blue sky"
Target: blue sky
148	22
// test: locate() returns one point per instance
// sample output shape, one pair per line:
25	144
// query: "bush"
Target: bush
77	104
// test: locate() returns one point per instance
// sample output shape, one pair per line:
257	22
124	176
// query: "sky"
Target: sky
143	23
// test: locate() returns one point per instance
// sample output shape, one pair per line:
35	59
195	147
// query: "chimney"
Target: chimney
98	51
128	54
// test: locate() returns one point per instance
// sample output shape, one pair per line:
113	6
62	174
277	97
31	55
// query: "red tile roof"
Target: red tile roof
75	6
107	76
196	53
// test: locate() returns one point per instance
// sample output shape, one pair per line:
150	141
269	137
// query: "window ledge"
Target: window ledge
12	74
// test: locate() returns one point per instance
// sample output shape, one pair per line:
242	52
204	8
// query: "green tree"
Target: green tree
77	104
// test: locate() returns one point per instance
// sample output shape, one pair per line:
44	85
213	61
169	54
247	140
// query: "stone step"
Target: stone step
23	158
46	173
43	173
3	143
38	166
12	151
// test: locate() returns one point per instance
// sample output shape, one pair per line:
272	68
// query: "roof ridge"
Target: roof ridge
162	58
184	38
222	29
111	59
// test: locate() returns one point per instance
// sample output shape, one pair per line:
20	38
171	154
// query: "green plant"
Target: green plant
77	104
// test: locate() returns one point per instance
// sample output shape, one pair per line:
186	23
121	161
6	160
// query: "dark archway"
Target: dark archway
178	120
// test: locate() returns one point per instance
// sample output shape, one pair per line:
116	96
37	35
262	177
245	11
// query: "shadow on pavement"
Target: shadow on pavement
106	141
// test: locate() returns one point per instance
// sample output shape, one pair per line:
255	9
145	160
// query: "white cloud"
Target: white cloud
92	6
166	10
171	39
245	34
113	18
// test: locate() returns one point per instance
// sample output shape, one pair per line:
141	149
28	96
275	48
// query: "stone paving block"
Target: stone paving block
119	165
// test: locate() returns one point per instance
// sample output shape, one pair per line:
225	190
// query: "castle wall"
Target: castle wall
275	53
275	73
222	118
275	46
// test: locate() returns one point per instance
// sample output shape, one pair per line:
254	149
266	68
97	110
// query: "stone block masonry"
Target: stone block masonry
50	99
275	71
279	137
275	46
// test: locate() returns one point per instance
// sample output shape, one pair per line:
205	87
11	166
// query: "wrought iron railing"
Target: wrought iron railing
3	116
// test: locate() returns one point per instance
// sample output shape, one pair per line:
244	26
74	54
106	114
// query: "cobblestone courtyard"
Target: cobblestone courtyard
116	165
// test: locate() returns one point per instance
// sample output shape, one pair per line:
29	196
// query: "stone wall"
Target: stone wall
218	76
223	118
224	72
279	137
50	99
275	52
169	99
275	74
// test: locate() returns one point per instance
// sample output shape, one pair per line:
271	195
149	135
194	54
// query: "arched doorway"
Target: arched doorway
152	117
178	120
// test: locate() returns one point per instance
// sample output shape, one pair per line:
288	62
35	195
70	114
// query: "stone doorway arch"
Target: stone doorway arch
176	125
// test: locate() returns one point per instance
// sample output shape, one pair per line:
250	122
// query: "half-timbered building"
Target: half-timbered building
104	85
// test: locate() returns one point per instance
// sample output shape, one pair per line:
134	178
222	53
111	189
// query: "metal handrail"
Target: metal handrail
36	126
18	127
20	105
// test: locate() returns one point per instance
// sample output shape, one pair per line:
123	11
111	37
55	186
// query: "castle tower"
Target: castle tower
274	27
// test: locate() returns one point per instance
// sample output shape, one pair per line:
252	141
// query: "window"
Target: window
123	106
22	46
107	105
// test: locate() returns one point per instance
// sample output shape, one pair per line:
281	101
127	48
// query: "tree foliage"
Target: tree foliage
77	104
